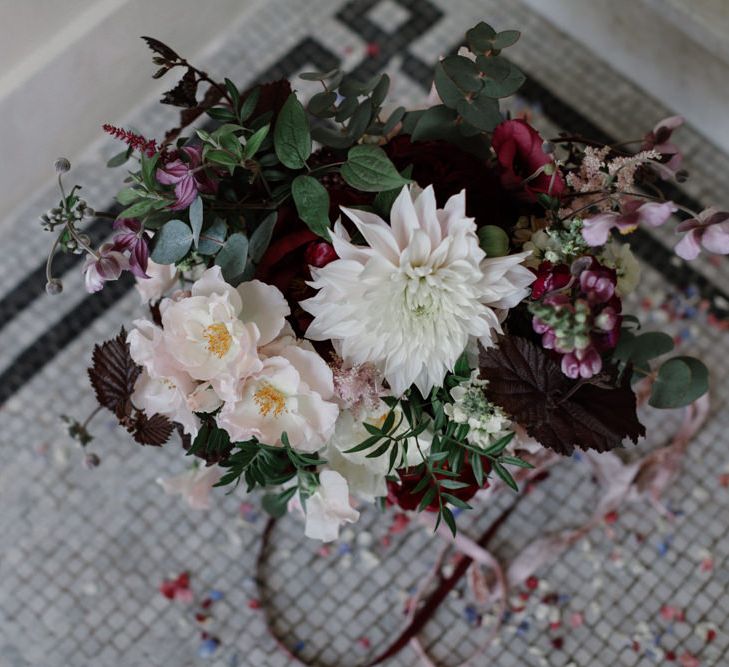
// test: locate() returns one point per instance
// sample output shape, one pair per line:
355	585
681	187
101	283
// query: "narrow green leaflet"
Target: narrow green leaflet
233	256
196	219
369	169
173	242
680	381
312	204
261	237
254	141
291	135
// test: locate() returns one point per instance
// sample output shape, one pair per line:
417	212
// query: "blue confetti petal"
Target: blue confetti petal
215	595
298	646
208	647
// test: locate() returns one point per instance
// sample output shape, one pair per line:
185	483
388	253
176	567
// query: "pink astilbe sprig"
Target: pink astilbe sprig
136	141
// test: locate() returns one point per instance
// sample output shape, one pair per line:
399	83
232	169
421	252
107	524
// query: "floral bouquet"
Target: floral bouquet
351	302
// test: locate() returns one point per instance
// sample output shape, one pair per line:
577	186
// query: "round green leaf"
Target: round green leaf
680	381
482	112
233	256
480	38
172	242
493	241
506	38
291	135
213	238
508	86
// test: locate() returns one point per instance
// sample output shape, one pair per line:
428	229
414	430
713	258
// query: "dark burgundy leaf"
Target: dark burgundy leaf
154	430
159	47
113	374
559	412
272	97
184	93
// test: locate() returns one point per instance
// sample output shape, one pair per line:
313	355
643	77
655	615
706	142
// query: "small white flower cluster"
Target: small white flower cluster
487	422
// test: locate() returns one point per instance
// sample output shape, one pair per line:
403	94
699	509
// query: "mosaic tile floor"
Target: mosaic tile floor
83	553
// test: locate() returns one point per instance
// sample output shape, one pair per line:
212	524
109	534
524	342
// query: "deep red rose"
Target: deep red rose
401	493
550	278
319	254
518	148
449	170
294	247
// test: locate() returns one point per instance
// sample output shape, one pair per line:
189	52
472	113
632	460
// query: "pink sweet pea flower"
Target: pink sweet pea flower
582	363
595	230
658	140
709	229
186	180
107	265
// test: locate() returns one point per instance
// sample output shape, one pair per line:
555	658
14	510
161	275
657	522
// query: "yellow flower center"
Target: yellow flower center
218	338
270	400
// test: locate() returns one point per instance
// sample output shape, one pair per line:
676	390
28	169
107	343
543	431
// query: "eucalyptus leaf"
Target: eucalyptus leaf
480	37
369	169
233	256
261	237
360	120
481	112
312	204
346	108
506	38
196	219
640	349
463	73
680	381
212	239
172	242
438	122
508	86
322	104
291	134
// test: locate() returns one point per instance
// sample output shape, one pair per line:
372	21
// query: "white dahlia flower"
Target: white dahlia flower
421	290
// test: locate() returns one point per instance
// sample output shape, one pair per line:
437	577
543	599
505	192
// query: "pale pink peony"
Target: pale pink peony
194	485
291	393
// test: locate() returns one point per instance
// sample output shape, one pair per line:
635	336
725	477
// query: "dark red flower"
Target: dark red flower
449	170
550	278
401	492
518	148
319	254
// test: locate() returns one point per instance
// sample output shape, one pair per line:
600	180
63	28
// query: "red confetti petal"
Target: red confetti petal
532	583
254	604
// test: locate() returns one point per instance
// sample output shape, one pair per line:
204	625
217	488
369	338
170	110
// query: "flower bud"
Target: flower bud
61	165
54	287
91	461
